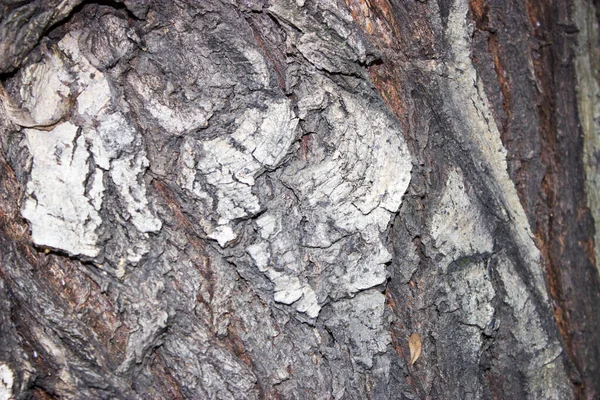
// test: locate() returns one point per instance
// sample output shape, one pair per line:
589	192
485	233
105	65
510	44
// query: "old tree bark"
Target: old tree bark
242	199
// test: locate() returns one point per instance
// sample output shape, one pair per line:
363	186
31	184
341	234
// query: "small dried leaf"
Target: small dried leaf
414	345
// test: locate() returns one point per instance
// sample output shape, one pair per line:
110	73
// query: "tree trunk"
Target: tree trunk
242	199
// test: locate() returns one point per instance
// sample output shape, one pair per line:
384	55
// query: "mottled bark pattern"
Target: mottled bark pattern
265	199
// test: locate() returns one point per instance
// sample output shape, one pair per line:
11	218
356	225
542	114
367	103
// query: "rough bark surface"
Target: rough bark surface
266	199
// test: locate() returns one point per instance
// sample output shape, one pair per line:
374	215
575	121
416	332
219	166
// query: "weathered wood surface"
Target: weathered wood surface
253	199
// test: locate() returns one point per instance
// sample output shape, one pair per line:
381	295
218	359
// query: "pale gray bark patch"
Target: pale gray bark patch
60	214
7	379
66	190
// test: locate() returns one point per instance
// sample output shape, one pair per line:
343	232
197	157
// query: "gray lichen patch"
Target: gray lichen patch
477	126
51	78
362	321
298	191
476	284
458	226
60	213
230	164
72	162
345	185
346	197
327	41
468	292
542	353
175	120
530	329
7	380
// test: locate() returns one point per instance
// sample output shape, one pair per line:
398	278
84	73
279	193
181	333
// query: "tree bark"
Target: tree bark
241	199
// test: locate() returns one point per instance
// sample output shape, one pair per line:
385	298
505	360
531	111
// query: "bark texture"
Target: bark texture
252	199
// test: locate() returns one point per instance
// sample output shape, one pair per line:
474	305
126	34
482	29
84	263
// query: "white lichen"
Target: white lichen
69	163
229	164
57	206
362	318
348	196
7	381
